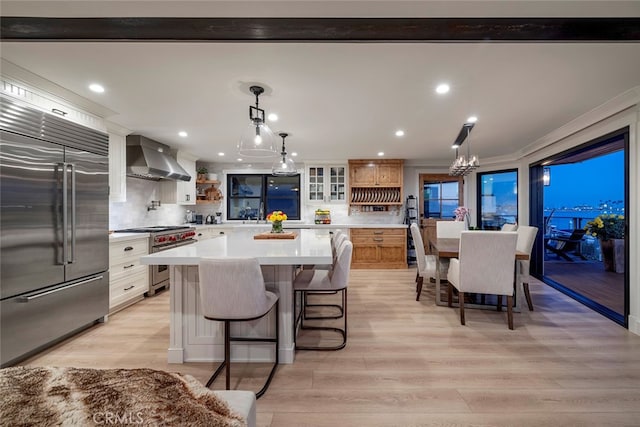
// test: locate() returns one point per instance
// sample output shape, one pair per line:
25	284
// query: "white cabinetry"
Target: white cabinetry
205	233
326	183
181	192
49	103
117	167
128	279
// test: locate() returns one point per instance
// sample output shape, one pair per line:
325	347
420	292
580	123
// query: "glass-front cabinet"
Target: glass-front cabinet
327	183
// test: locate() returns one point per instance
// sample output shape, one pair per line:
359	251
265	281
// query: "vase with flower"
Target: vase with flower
609	230
462	214
276	218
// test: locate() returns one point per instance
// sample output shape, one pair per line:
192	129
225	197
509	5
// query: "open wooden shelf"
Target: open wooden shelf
207	181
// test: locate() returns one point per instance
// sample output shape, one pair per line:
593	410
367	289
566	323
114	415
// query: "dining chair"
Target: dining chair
448	230
336	279
485	265
509	227
426	263
526	237
233	290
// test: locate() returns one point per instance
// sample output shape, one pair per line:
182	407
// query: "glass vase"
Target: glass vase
276	227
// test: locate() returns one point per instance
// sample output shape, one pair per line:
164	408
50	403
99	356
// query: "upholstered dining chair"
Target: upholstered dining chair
509	227
426	263
485	265
448	230
336	279
526	238
233	290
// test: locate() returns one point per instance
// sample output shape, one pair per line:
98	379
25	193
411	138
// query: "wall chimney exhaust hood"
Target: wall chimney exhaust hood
149	159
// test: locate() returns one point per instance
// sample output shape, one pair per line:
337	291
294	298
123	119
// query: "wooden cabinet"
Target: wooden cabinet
128	279
379	247
181	192
327	184
371	173
376	183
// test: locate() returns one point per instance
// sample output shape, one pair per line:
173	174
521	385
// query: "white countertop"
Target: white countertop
310	247
299	225
121	237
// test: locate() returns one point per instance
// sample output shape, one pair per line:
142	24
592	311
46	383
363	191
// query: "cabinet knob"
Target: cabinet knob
128	248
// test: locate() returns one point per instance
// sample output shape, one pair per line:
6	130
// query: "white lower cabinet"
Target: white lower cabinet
205	233
128	279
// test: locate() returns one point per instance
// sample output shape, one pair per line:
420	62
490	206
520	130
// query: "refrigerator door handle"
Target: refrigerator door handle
65	219
73	213
63	288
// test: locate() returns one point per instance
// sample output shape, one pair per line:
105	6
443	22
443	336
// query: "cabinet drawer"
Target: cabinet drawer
128	287
378	232
124	269
372	240
120	252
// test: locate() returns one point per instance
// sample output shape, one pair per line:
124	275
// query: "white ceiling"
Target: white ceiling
340	100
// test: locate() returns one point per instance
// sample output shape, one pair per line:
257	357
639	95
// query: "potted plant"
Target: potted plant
202	173
609	230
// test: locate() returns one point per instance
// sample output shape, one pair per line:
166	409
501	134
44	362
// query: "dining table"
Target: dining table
447	248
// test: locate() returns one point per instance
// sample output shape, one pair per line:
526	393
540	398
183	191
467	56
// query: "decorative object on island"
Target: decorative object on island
322	216
202	173
276	218
609	229
257	140
462	165
284	166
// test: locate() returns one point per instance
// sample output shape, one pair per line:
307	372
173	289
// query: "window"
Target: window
253	196
440	199
498	193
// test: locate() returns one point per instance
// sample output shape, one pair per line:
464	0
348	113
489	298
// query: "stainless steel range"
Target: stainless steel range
163	238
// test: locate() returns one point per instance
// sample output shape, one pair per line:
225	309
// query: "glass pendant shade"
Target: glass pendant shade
284	166
257	140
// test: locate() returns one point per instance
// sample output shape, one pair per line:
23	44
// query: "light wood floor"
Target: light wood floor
411	363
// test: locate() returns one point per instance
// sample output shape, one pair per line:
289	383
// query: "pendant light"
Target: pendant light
462	165
257	140
284	166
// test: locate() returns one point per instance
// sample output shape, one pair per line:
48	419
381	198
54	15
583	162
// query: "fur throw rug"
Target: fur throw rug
47	396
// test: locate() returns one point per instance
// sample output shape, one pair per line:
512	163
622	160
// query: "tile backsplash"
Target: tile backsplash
134	212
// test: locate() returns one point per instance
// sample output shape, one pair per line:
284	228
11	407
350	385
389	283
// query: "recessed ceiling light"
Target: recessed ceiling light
239	159
95	87
380	153
294	154
399	132
221	154
183	134
472	119
273	117
442	88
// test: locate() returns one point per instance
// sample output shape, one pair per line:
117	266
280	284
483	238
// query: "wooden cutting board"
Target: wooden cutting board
270	235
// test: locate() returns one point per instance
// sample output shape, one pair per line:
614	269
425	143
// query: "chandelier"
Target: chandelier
257	140
462	165
284	166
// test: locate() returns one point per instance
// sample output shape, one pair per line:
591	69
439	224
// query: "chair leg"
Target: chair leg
510	311
499	303
461	303
227	352
527	295
337	306
342	332
417	275
419	289
277	358
450	295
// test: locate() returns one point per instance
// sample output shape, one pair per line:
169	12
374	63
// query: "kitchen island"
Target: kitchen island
195	339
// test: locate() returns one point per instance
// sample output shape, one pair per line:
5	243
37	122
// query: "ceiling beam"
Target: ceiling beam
14	28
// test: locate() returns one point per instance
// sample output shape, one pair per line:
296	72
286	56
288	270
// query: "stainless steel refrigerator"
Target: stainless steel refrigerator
54	219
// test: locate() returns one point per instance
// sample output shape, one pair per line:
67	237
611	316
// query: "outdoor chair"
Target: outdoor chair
562	246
